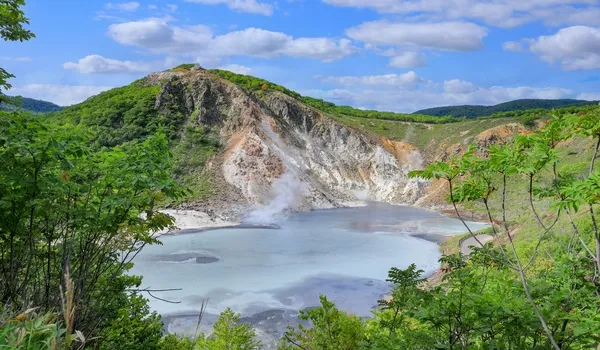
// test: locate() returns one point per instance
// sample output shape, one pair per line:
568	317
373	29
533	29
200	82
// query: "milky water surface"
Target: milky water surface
343	253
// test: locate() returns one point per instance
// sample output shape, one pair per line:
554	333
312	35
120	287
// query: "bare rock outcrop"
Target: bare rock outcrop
268	135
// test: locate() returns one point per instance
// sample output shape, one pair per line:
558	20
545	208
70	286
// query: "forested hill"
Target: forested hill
473	111
33	105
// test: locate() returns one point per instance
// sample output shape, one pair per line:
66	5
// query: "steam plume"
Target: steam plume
286	191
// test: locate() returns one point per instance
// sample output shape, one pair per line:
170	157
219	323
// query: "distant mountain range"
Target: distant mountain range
32	105
473	111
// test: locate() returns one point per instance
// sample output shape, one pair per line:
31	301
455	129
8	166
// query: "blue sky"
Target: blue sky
398	55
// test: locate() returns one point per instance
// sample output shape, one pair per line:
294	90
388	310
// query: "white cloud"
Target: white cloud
500	13
457	86
569	15
18	58
124	6
172	7
589	96
152	7
62	95
454	92
512	46
575	48
409	79
158	36
102	16
408	60
453	36
236	68
248	6
98	64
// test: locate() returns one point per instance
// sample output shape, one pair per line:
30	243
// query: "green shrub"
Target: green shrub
173	342
30	331
229	334
331	329
133	328
528	120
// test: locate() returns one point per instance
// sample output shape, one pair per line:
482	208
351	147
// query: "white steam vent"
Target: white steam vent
286	191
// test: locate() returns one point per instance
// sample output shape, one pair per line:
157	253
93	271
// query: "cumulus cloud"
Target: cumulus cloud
451	92
512	46
569	15
452	36
124	6
98	64
236	68
574	48
408	60
62	95
159	36
408	79
248	6
172	7
457	86
500	13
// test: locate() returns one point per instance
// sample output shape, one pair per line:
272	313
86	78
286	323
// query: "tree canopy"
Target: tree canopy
12	21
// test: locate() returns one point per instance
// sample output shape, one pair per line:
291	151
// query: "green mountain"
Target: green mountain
30	104
473	111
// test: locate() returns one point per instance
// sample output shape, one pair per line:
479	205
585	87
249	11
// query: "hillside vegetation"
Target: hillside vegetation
472	111
130	113
29	104
253	84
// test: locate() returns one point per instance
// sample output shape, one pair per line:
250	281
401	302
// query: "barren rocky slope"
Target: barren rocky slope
273	141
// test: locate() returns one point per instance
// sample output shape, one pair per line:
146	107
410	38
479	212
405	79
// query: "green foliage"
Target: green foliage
229	334
558	299
12	19
173	342
122	114
185	67
506	109
195	147
528	120
30	331
331	329
65	207
253	84
133	328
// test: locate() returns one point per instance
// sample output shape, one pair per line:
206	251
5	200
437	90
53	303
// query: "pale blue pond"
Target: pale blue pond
343	253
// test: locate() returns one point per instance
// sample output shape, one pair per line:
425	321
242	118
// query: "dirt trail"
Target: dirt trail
466	246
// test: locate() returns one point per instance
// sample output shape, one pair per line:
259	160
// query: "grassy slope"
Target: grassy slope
427	137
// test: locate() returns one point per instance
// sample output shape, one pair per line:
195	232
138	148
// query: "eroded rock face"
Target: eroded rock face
268	136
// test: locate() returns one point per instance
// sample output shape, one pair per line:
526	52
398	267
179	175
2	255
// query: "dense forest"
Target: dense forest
471	111
29	104
81	189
